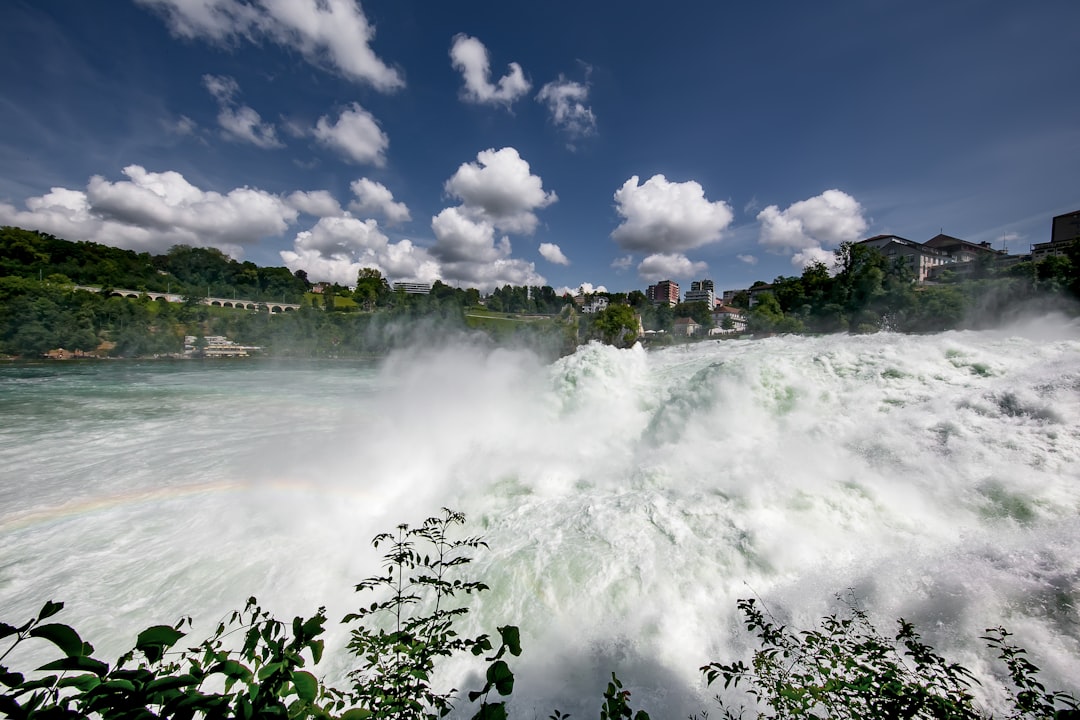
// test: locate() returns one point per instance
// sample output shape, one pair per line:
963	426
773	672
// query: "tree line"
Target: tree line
40	309
867	291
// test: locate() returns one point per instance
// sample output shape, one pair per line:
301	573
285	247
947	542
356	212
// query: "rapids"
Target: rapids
628	497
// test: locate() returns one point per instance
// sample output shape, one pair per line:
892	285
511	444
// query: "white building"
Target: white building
594	304
731	316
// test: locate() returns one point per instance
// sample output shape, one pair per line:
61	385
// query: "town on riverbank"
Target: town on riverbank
63	300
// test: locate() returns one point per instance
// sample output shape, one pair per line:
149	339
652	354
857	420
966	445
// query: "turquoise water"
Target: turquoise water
629	497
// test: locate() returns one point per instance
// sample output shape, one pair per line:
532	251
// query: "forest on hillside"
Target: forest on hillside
41	309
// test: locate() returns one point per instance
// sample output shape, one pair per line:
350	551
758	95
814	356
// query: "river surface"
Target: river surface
629	497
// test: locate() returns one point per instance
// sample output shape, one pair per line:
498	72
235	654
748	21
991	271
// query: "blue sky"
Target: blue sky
560	143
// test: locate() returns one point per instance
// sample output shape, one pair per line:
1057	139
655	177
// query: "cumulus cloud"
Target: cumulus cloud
748	259
471	256
153	211
356	135
488	276
585	288
622	264
809	256
662	216
498	192
809	227
336	248
333	33
375	198
500	188
239	122
469	56
553	254
319	203
662	266
459	238
565	100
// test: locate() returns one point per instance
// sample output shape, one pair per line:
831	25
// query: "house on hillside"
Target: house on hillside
727	319
920	258
1064	231
593	304
687	327
754	294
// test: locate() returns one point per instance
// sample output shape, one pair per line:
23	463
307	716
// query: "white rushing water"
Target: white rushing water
629	497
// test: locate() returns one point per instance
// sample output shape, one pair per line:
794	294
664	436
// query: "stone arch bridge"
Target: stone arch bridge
270	305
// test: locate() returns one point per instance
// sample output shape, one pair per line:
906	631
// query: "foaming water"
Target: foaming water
629	498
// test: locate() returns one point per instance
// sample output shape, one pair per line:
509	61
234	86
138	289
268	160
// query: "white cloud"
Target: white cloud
819	222
748	259
471	257
459	238
239	122
243	123
333	33
662	216
373	197
356	135
810	255
335	249
498	192
565	100
586	288
154	211
808	228
500	188
470	57
319	203
553	254
622	264
663	266
488	276
342	236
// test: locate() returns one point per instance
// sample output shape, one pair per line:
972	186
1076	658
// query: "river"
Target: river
629	497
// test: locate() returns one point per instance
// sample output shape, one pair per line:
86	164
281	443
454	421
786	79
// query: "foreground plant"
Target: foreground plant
253	666
847	669
400	648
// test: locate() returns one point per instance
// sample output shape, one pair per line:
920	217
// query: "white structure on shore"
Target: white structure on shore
216	346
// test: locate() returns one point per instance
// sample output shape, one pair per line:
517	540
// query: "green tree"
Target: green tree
616	325
372	289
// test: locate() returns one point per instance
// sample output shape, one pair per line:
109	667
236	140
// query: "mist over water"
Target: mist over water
629	497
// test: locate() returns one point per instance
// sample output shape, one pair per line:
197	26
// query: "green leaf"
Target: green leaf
11	679
511	637
316	651
61	636
78	663
49	609
356	714
153	641
171	682
82	682
162	635
118	685
307	687
499	675
6	630
494	711
231	669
